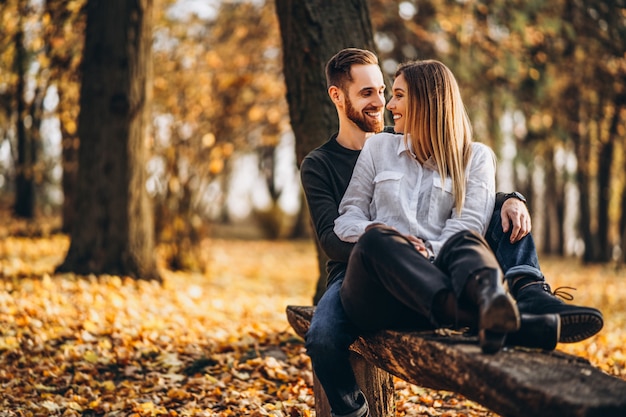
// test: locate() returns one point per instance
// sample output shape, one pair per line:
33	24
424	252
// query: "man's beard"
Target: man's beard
364	123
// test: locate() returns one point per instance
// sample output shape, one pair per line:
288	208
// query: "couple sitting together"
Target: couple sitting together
416	234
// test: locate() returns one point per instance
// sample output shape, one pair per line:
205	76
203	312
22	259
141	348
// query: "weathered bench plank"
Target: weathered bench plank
513	382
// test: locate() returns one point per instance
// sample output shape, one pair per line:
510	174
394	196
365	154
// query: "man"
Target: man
356	87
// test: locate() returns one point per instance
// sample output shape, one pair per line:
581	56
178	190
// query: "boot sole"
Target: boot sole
501	316
579	326
491	342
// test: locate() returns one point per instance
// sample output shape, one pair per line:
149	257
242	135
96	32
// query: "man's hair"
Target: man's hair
339	66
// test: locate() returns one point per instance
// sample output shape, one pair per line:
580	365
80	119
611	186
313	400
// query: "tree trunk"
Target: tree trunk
69	156
24	179
583	174
622	259
620	103
312	31
605	164
63	45
113	231
554	208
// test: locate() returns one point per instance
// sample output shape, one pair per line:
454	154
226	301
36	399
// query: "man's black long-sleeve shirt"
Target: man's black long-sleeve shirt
325	174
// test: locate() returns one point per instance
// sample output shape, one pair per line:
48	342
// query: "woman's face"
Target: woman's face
397	103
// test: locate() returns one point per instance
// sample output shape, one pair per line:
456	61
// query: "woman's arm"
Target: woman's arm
479	198
355	208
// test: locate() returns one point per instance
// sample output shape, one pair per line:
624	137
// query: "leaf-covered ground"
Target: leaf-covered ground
211	344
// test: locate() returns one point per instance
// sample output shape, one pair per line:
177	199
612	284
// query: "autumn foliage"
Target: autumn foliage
204	344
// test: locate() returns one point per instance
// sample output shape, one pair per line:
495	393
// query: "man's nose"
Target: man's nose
380	100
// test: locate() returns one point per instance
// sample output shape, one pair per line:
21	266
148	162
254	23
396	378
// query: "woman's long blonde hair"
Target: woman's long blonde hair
437	123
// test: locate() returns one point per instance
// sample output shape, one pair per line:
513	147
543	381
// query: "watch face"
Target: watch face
519	196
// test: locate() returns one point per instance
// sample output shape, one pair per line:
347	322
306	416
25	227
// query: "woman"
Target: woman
417	206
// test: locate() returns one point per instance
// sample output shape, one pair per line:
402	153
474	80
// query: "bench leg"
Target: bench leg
322	409
376	384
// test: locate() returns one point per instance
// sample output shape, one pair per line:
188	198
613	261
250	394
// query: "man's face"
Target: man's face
365	98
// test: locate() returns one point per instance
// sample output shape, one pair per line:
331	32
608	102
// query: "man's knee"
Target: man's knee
324	338
372	237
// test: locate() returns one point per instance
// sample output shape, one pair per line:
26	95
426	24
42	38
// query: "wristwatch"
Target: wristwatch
517	195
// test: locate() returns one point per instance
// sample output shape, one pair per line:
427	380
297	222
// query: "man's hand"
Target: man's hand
515	216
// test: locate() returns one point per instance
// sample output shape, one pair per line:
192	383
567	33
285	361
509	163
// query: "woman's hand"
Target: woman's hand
372	225
418	244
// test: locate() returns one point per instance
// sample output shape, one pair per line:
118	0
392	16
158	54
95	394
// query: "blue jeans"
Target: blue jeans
327	342
515	259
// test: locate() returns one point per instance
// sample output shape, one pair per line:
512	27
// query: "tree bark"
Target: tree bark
554	208
605	165
113	231
24	180
583	174
620	103
63	47
622	259
312	31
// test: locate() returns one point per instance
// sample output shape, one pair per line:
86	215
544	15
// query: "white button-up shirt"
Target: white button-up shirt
390	186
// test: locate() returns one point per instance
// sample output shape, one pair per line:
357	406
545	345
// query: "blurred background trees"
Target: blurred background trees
218	103
544	83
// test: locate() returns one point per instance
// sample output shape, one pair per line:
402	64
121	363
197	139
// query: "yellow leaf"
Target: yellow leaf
70	127
178	394
90	357
8	343
108	385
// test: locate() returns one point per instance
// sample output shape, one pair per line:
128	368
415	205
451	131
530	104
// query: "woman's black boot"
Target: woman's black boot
498	314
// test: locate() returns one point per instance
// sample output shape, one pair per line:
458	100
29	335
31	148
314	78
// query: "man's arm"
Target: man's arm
514	214
324	209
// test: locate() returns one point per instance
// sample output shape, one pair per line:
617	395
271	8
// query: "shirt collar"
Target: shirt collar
405	146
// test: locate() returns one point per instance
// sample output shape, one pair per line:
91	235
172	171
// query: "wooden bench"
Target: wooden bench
513	382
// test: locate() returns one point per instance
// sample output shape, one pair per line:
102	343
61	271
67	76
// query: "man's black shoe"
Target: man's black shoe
577	323
540	331
363	410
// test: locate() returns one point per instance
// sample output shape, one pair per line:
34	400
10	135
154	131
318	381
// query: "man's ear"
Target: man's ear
335	94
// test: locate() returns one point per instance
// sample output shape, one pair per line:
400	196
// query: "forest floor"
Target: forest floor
215	343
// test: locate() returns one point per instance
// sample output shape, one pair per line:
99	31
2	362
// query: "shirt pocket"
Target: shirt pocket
386	204
441	201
